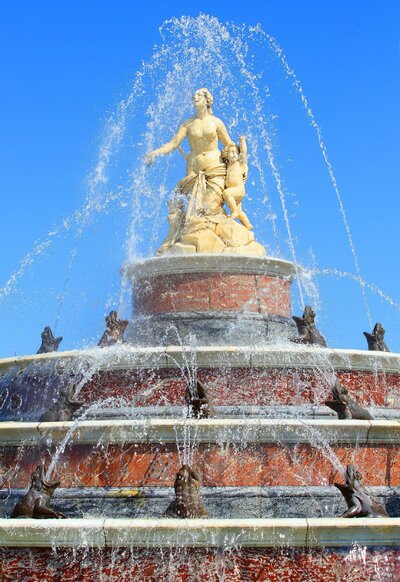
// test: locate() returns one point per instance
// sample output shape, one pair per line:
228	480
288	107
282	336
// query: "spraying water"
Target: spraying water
299	89
237	64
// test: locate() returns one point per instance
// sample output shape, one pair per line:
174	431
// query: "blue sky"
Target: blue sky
64	68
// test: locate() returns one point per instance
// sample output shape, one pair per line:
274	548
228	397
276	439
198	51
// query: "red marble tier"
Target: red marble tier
195	565
156	465
212	292
28	397
172	284
216	299
242	386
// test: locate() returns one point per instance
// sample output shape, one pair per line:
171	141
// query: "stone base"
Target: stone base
213	328
219	234
219	300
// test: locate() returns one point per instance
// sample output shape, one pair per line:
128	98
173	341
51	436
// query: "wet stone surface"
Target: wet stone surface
26	395
349	564
220	502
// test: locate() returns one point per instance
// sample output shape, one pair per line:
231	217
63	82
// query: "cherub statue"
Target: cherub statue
188	502
36	503
235	158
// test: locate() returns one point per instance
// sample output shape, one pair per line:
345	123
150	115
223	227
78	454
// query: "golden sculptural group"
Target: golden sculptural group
198	220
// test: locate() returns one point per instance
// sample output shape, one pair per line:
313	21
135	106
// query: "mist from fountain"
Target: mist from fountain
232	61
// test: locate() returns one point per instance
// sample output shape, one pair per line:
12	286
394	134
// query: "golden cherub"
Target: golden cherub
235	157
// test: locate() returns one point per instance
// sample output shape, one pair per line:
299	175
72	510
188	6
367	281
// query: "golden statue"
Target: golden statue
198	220
235	158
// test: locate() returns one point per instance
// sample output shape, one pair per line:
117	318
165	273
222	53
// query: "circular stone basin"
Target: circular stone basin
217	299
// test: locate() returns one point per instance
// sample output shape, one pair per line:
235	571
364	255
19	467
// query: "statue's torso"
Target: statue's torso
203	139
234	175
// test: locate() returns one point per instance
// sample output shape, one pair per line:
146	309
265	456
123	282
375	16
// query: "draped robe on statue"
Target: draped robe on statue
202	224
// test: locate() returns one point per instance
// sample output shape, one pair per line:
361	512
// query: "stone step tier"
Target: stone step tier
285	375
208	533
267	471
226	452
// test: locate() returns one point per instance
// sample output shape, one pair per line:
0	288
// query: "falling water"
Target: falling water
346	275
201	52
232	62
298	87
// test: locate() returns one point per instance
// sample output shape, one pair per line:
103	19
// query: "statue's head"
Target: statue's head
230	154
339	390
203	97
47	334
38	481
37	478
187	476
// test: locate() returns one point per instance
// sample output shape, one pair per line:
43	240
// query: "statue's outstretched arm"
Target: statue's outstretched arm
169	146
223	134
243	157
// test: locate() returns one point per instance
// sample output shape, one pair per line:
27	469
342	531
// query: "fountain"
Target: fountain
198	440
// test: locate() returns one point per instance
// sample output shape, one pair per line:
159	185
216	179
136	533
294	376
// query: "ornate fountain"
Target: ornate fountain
206	445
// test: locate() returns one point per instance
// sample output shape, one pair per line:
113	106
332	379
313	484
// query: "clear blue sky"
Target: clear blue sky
66	65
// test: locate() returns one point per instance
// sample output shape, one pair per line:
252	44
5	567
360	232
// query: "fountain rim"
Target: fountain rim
211	431
282	356
206	533
208	263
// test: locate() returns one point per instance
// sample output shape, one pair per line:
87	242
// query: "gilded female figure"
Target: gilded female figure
203	131
202	224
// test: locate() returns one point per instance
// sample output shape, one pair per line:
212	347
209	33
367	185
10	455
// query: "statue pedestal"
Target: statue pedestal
219	299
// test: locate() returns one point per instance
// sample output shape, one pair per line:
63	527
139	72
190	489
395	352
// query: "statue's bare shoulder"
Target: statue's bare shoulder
188	121
219	123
